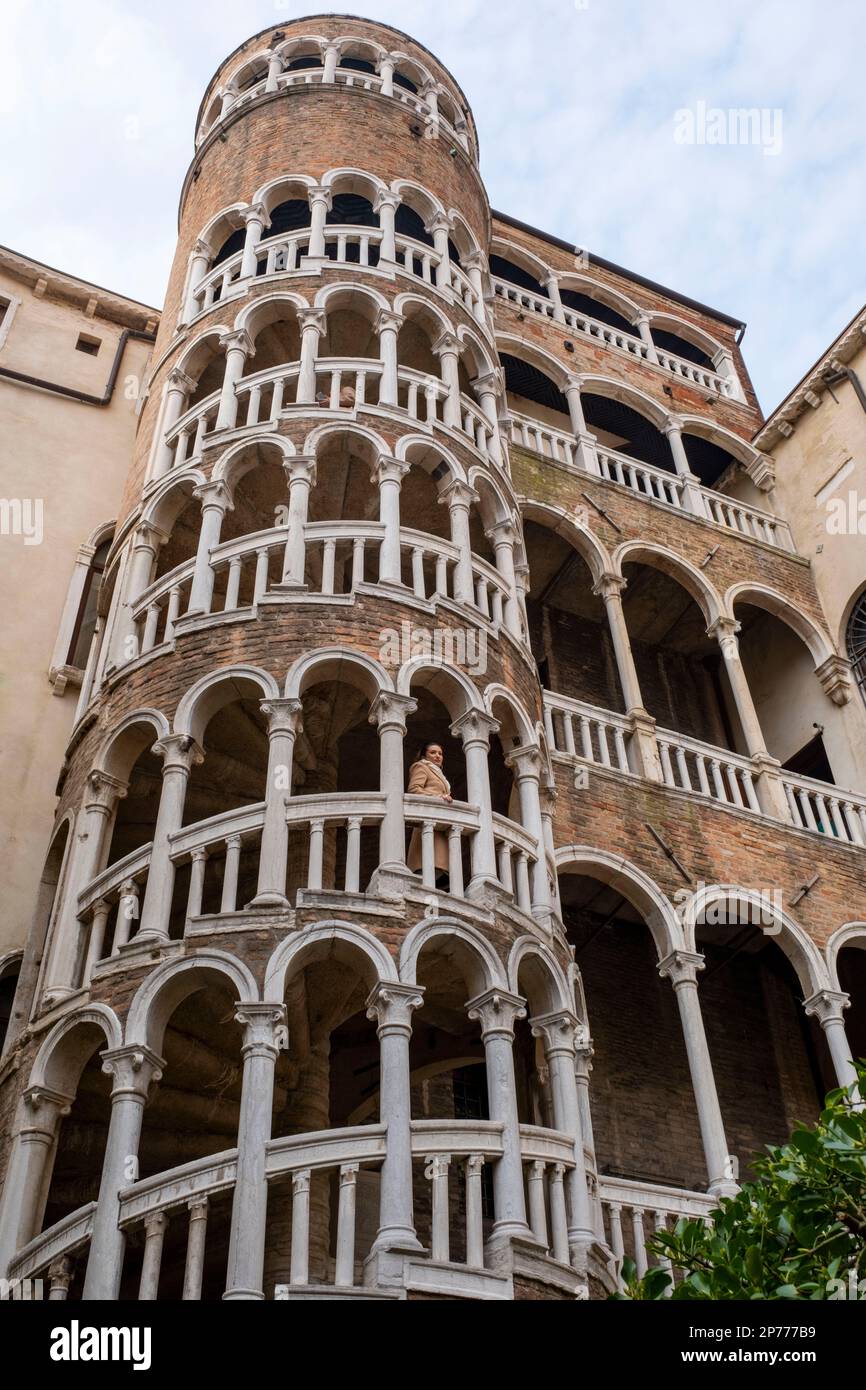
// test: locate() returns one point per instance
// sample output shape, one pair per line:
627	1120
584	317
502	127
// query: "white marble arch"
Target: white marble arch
344	940
635	886
166	987
803	953
472	953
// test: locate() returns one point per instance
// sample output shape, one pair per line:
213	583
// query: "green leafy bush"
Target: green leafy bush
797	1231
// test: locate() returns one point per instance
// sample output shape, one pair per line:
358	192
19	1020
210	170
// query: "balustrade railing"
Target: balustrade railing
690	765
616	339
583	731
825	809
634	1211
642	478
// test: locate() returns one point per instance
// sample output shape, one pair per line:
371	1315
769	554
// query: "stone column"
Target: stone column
387	326
312	325
392	1005
474	728
488	391
275	67
255	218
147	540
768	783
386	72
692	496
610	587
439	228
215	501
526	764
548	795
551	284
321	201
586	454
388	475
582	1067
681	968
301	473
238	347
723	363
198	268
331	58
180	753
177	388
828	1006
389	712
264	1038
497	1012
386	205
459	497
27	1172
86	856
447	349
502	537
642	324
474	265
559	1032
133	1069
284	724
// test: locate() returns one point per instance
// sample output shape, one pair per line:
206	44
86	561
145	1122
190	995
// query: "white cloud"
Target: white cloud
575	110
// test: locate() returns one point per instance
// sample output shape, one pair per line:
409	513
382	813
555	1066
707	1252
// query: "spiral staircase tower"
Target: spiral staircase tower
302	1033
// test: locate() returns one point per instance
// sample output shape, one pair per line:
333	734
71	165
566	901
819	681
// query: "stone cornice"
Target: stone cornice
809	394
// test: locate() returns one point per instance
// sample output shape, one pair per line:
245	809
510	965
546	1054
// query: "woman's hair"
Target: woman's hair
431	743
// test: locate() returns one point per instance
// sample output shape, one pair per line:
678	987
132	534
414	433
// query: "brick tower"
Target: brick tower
301	1015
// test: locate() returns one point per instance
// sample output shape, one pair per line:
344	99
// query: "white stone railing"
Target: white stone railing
615	338
647	480
449	1150
642	478
578	730
343	77
825	809
340	557
693	766
630	1207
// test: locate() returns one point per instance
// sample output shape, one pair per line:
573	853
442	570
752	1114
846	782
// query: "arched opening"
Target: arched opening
792	708
351	209
855	642
568	627
328	1079
681	347
10	971
530	392
680	668
626	430
770	1063
88	606
179	517
851	967
349	328
276	340
47	900
709	460
230	246
345	491
191	1114
503	269
643	1108
586	303
206	366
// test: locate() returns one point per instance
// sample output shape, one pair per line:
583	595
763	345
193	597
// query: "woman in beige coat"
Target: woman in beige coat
426	778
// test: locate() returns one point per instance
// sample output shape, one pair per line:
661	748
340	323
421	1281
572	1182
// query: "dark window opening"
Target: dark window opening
811	761
525	380
401	81
672	342
507	270
357	65
309	60
632	433
707	459
85	621
291	216
856	642
233	244
585	304
407	222
351	210
87	344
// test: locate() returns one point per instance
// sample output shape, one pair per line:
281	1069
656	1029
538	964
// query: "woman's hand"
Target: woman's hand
448	799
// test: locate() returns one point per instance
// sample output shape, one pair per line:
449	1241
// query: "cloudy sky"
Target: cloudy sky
576	103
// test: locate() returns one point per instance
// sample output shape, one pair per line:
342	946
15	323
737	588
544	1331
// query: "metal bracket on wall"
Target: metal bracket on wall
666	849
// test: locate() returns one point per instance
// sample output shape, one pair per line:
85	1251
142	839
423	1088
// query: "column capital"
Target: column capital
103	790
641	317
214	493
265	1031
321	193
133	1068
283	715
42	1105
553	277
559	1030
385	199
575	381
440	221
389	470
502	533
390	710
835	677
256	212
827	1006
387	319
147	536
487	382
672	425
392	1005
725	632
240	340
179	752
474	261
609	585
201	248
475	726
526	761
497	1011
178	380
447	344
312	318
681	967
302	466
458	494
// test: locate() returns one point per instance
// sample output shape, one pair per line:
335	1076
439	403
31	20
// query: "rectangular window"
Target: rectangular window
87	344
